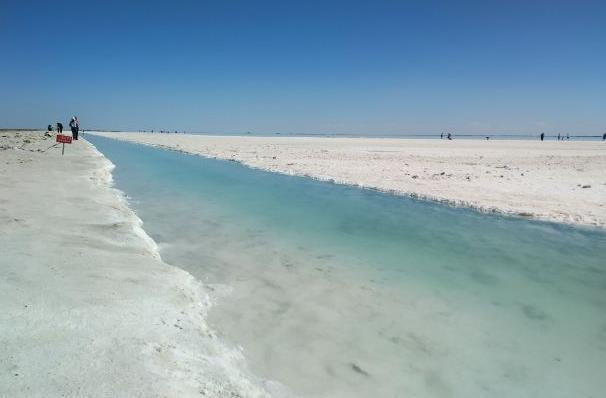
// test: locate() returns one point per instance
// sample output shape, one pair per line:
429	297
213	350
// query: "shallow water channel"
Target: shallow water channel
335	291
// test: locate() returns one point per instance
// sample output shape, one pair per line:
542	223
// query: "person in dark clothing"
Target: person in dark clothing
60	127
449	136
75	126
604	137
542	136
49	128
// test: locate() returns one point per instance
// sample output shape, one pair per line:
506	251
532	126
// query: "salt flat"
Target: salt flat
88	307
555	181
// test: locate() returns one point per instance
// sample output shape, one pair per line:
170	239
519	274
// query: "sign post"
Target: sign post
64	139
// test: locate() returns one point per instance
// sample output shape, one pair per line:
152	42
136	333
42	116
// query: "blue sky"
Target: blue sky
370	67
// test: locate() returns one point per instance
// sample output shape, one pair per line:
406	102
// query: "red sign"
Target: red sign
64	139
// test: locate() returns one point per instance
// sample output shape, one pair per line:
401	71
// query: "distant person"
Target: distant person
542	136
59	127
441	136
49	128
567	136
449	136
604	137
559	137
487	138
74	124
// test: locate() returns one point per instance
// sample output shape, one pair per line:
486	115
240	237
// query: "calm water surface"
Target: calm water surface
334	291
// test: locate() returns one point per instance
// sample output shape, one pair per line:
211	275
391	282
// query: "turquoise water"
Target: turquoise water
341	292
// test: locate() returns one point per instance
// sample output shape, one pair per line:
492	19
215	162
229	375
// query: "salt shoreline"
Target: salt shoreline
89	308
549	181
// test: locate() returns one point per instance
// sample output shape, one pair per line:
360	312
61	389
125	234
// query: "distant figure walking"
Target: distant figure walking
74	124
542	136
559	137
449	136
441	136
604	137
59	127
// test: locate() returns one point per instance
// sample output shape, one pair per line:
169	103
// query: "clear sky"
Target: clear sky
370	67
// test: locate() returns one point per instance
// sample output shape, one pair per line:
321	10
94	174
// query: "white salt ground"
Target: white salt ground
88	307
553	181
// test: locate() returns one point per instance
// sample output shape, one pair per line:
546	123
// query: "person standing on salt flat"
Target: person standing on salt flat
74	124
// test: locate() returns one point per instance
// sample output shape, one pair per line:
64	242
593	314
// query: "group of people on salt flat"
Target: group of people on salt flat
74	125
